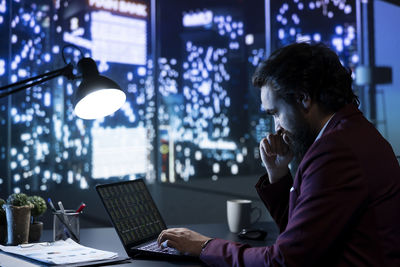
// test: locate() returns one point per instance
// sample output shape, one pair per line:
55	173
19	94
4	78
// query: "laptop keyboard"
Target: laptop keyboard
155	248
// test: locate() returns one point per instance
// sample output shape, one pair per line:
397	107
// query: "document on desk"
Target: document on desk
59	252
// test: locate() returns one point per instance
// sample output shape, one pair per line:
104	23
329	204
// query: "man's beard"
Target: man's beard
301	138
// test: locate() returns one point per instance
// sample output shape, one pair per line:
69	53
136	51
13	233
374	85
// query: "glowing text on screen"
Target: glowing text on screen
197	19
122	6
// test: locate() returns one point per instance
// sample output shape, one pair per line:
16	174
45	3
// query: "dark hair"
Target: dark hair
307	68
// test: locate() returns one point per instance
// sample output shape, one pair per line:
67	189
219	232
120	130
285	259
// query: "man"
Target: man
343	207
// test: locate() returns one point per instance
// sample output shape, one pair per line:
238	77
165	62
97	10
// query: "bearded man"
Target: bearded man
342	208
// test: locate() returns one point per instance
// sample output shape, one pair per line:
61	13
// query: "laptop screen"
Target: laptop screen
132	211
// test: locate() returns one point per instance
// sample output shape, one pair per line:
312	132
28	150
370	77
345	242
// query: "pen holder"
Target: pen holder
66	225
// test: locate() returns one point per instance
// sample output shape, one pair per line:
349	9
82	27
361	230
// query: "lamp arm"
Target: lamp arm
27	83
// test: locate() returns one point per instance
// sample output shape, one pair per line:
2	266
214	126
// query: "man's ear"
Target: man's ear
304	100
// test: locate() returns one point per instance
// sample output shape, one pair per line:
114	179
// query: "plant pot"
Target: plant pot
35	231
3	234
18	221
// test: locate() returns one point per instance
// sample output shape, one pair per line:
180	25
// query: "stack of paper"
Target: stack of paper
59	252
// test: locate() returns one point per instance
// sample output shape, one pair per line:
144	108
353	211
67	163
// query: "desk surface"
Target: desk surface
107	239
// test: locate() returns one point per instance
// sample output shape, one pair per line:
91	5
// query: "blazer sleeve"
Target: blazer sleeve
322	210
276	198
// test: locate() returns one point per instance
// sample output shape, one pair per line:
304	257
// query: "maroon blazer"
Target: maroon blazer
343	208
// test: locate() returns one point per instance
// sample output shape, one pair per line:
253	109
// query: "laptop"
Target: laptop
136	219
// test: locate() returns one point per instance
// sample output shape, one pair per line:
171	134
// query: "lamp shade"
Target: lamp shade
97	96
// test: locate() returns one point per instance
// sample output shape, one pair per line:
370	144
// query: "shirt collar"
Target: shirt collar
323	128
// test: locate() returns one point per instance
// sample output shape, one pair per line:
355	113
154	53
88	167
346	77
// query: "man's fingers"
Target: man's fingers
163	236
160	237
275	144
272	144
286	139
171	244
265	147
182	239
171	238
168	235
279	144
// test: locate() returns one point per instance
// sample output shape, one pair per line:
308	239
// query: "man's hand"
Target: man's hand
276	155
182	239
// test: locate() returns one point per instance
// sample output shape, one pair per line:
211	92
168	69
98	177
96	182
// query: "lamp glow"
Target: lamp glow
100	103
97	96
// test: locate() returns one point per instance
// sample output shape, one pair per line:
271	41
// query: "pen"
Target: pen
61	219
51	205
60	204
81	207
66	233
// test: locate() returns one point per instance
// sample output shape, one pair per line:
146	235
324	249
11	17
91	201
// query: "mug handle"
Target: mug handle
259	214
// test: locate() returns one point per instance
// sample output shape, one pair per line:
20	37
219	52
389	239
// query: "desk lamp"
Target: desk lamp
97	96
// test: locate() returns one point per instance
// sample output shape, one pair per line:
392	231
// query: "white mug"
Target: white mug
239	214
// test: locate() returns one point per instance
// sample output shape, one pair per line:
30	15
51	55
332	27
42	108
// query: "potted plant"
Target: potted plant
36	227
3	222
18	213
